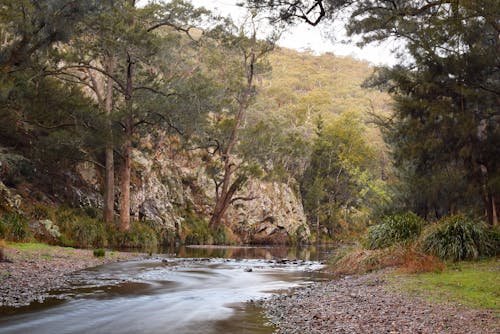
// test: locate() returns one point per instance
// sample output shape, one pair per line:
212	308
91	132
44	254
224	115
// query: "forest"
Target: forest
144	125
84	90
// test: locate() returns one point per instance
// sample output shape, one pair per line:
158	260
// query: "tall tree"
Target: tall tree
135	62
246	58
448	85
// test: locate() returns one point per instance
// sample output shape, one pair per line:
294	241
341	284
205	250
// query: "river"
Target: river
185	291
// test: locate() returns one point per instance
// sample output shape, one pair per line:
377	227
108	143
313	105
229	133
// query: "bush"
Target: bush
99	252
494	237
457	238
398	228
14	227
140	236
80	230
166	236
196	230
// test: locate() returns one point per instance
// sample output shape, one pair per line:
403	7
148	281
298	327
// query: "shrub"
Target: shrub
99	252
398	228
88	232
15	227
457	238
164	234
41	212
79	230
494	237
140	236
196	230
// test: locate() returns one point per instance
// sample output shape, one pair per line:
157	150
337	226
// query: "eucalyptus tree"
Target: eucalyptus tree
240	56
137	62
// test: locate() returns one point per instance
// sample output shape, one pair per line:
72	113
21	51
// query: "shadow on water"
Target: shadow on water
188	290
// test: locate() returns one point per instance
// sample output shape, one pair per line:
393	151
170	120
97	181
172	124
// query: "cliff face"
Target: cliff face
167	182
274	215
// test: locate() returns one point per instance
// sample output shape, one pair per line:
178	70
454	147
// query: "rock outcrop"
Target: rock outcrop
273	215
167	182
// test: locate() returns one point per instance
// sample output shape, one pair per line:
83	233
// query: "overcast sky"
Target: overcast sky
304	36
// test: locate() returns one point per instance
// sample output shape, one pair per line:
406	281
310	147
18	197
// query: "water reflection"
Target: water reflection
190	290
306	253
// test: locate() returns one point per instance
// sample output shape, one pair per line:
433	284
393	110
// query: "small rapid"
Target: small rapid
168	294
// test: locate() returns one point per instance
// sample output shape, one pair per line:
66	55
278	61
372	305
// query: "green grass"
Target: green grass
474	284
31	246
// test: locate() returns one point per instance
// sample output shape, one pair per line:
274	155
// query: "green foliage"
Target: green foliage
15	227
340	185
79	230
165	236
14	168
456	238
140	236
494	237
397	228
198	233
99	252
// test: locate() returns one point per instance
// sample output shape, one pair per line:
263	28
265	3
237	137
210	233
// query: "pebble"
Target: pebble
364	305
29	276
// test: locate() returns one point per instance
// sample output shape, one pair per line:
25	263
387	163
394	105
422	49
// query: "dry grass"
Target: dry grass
356	260
417	262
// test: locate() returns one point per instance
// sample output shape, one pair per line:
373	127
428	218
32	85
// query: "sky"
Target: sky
304	36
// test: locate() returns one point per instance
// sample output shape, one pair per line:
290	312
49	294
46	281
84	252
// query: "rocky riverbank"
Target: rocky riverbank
365	305
32	271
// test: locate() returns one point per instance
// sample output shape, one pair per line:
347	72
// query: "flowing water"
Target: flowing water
187	290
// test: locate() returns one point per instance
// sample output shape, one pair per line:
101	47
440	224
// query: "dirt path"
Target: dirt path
32	273
364	305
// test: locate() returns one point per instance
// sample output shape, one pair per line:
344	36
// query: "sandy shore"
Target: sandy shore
31	274
364	304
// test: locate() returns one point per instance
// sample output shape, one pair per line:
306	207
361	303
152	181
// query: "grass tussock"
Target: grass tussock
398	228
99	252
458	238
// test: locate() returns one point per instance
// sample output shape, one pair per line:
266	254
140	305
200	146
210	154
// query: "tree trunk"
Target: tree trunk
227	191
491	210
125	184
127	153
109	192
494	216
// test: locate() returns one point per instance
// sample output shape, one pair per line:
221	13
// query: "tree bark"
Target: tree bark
127	153
229	188
494	214
125	184
109	191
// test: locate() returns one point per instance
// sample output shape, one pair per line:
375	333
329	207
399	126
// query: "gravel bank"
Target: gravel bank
31	274
363	304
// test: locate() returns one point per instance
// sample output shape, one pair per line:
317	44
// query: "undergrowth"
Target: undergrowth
397	228
458	238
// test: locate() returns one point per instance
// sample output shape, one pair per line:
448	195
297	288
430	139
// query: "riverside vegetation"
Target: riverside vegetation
127	126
